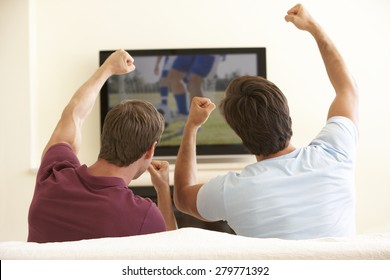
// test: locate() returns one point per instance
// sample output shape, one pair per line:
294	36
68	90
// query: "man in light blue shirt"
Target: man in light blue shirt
290	193
306	193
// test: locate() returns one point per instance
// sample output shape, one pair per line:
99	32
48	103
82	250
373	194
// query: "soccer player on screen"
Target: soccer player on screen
189	71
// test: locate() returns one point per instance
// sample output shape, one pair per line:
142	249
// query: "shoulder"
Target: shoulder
339	135
60	152
210	200
344	123
339	127
218	182
60	155
212	194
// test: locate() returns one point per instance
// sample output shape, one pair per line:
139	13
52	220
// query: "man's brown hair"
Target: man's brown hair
258	112
130	129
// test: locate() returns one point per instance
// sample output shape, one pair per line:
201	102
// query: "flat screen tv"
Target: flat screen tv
210	72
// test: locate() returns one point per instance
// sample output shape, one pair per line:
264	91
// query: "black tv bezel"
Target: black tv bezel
202	150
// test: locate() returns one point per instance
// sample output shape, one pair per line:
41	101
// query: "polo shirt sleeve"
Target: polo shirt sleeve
57	157
153	220
210	200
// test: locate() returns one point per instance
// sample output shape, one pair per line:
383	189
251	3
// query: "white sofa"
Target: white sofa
195	243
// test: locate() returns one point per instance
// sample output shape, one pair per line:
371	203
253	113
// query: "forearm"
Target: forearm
342	81
85	97
186	186
68	129
185	166
164	203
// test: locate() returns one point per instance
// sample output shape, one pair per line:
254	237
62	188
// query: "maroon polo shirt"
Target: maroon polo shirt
69	204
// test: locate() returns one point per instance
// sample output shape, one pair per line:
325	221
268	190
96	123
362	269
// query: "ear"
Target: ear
149	153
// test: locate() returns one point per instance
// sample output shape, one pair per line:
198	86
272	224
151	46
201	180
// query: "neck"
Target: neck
290	148
104	168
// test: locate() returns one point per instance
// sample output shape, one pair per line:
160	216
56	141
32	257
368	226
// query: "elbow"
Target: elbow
354	99
355	93
185	198
178	200
182	200
354	89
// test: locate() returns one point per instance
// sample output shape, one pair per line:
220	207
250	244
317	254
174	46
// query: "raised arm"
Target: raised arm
186	186
68	129
159	173
346	100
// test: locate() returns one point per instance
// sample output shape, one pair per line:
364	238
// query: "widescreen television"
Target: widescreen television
214	69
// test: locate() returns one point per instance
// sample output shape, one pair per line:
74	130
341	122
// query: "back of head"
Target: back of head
129	130
258	112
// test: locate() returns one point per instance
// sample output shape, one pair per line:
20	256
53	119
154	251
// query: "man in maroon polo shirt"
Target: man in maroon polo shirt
73	201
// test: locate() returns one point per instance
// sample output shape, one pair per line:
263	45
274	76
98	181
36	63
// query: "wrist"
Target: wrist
162	187
315	30
104	71
191	127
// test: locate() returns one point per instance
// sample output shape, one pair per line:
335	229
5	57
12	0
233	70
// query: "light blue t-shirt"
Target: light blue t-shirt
308	193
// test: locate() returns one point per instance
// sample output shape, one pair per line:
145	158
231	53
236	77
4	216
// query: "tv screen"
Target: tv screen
170	78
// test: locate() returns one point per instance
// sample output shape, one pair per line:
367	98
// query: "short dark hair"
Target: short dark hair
129	130
257	110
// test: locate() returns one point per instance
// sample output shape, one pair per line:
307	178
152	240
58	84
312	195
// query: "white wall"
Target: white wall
16	183
49	47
